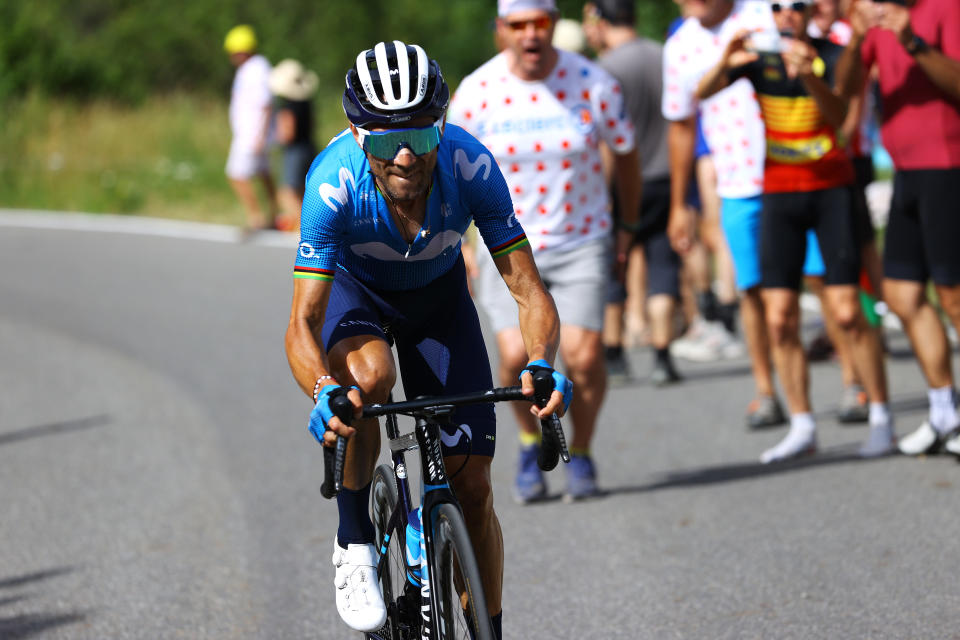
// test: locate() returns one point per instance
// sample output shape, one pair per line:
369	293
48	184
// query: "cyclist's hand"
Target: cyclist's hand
562	389
324	425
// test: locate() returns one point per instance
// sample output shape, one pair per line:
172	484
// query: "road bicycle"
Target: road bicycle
437	595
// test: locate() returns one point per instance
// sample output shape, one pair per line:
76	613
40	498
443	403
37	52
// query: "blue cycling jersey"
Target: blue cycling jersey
346	224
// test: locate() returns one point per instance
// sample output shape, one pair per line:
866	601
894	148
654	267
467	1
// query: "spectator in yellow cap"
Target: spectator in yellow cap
250	123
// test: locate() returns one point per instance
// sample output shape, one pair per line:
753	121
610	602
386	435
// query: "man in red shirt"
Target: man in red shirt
915	45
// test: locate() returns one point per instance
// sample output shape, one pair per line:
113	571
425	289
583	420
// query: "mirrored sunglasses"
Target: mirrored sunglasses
387	144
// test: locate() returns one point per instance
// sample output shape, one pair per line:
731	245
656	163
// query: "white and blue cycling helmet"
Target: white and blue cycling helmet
394	82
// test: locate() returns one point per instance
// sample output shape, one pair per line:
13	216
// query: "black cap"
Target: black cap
619	12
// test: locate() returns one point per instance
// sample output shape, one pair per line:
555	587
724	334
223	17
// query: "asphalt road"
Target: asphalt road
157	479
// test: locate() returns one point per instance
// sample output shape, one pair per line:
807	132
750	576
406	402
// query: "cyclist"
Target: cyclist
386	205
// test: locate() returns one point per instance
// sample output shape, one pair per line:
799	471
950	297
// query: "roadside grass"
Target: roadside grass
164	158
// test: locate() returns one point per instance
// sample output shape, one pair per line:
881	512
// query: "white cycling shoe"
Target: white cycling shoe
359	600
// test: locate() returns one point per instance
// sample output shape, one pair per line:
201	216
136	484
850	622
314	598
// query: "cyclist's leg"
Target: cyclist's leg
441	351
359	355
366	362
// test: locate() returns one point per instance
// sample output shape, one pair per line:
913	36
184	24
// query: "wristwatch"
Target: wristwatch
916	45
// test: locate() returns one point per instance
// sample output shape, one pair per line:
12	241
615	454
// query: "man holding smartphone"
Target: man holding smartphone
807	180
915	45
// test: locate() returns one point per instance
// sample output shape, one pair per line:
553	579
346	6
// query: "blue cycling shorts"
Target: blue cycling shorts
740	219
440	348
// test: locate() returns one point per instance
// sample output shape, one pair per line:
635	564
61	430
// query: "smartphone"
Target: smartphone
764	42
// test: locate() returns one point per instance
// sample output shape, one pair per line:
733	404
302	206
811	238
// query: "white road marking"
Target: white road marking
139	225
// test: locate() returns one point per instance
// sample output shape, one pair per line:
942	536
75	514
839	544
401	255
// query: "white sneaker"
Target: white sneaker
953	444
359	600
925	439
723	341
880	442
794	445
696	344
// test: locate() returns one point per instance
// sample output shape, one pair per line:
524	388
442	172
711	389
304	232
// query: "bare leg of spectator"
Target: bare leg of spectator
251	206
783	324
582	353
908	300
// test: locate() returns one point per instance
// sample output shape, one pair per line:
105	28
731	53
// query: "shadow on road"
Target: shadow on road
37	576
743	471
26	625
31	624
56	428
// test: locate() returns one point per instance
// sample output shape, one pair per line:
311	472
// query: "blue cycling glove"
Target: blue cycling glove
560	381
322	413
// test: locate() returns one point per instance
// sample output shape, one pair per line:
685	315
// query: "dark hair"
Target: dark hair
618	12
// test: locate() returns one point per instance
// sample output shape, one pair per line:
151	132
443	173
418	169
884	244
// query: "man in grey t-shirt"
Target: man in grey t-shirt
637	64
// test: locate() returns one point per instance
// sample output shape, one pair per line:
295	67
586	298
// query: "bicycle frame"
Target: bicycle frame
436	490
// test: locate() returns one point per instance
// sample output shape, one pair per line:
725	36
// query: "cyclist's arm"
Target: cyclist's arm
307	359
539	322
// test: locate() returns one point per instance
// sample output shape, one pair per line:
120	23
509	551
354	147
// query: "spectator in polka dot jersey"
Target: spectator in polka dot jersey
544	113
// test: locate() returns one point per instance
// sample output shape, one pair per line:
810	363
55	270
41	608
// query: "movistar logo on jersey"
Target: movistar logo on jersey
470	169
338	194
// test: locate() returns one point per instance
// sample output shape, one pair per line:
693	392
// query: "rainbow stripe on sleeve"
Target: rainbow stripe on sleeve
312	273
509	245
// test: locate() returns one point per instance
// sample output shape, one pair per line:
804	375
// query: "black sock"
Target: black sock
708	306
728	316
355	525
614	353
663	355
497	621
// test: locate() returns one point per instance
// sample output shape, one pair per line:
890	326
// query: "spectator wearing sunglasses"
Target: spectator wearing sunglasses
807	180
915	46
544	113
734	131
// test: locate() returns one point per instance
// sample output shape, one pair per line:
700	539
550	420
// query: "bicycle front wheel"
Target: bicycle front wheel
457	585
402	607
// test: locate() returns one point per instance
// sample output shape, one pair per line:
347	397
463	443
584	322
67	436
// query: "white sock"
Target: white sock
943	413
880	414
802	424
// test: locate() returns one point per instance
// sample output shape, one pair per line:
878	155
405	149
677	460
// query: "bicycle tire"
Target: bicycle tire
383	500
457	569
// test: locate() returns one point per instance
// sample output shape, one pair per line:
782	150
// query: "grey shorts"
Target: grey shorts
576	278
